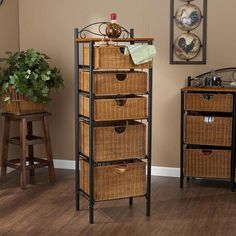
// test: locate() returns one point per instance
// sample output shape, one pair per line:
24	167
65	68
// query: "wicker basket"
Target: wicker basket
208	102
112	57
20	105
109	83
207	163
206	130
115	181
115	141
115	108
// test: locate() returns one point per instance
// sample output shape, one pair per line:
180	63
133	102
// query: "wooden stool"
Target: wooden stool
26	139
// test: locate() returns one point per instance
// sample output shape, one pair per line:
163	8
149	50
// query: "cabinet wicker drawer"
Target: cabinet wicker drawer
109	83
207	163
115	181
115	141
207	130
112	57
208	102
115	108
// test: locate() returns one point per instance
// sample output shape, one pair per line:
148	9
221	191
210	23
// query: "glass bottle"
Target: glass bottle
113	30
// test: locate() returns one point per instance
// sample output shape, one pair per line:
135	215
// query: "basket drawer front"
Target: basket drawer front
207	163
115	109
206	130
208	102
23	107
115	142
115	181
108	83
112	57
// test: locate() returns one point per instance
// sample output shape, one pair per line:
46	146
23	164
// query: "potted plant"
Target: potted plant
26	80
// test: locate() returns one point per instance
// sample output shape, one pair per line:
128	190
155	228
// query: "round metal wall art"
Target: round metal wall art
187	46
188	17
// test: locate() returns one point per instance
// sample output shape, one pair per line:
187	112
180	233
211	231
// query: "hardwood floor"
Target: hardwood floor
201	208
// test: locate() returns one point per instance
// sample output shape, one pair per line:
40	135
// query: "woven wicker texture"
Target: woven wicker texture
115	181
207	163
111	57
208	102
110	83
20	105
115	141
208	130
115	108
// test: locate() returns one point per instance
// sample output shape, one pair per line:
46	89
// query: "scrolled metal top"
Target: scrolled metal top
99	30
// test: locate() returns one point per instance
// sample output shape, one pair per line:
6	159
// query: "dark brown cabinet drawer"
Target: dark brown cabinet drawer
208	102
207	163
208	130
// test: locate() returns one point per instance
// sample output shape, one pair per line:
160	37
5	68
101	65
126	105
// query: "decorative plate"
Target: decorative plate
188	17
187	46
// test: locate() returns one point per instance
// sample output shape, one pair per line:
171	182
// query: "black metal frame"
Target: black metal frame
78	117
182	144
204	37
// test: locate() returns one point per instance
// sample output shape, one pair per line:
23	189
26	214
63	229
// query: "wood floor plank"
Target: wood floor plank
201	208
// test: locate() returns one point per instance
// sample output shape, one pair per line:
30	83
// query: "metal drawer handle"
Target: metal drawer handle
120	102
120	130
121	76
208	119
207	97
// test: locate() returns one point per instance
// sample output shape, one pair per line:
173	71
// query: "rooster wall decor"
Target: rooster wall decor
187	43
187	46
188	17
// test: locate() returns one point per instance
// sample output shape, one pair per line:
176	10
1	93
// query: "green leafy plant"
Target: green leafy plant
29	74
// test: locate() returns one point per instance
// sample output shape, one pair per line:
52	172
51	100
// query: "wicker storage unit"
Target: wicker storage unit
110	83
207	163
206	130
208	102
115	181
208	126
20	105
113	119
115	108
112	57
115	141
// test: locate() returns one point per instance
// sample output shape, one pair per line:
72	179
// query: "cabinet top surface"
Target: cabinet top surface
114	39
208	89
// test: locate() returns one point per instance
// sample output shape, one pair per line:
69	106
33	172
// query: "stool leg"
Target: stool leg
23	153
30	147
5	148
48	147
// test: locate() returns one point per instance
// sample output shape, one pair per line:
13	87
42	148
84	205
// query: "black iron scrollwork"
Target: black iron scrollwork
1	1
100	31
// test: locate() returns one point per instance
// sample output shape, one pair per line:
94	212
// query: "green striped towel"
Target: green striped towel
141	53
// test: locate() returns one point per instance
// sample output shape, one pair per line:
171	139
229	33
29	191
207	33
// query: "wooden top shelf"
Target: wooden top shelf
208	89
86	40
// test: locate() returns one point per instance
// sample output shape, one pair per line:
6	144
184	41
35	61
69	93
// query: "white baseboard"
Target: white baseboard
165	171
156	170
64	164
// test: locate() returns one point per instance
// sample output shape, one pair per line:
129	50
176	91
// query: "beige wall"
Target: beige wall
9	35
48	27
